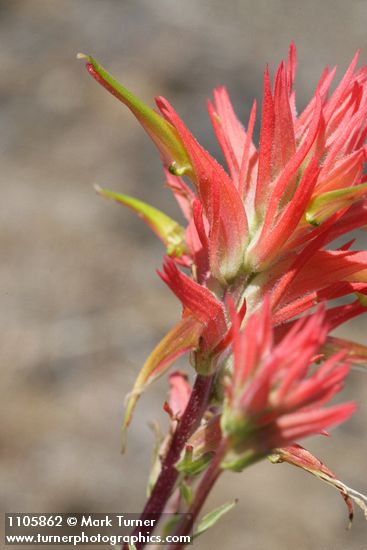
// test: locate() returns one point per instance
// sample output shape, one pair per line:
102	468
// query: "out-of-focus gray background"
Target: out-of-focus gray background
81	306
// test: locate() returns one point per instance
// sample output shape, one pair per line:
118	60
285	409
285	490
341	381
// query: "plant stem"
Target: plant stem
189	421
206	484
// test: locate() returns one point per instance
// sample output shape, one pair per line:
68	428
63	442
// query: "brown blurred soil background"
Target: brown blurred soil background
81	305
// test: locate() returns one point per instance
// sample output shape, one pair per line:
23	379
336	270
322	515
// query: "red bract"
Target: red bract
249	267
274	397
198	302
265	227
282	203
179	394
221	202
306	169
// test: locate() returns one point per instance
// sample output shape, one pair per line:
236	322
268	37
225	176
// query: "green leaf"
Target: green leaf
170	525
211	519
190	466
237	461
163	134
168	230
186	493
132	547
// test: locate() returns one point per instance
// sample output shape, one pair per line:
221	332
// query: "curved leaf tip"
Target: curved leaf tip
162	132
182	338
171	233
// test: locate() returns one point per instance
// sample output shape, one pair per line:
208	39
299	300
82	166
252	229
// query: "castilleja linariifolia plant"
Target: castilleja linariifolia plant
255	270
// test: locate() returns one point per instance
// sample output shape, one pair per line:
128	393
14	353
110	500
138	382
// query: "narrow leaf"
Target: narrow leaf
168	230
186	493
160	130
213	517
170	525
182	338
192	466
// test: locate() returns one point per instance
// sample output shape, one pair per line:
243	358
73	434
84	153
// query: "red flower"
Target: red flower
282	203
257	243
274	396
265	227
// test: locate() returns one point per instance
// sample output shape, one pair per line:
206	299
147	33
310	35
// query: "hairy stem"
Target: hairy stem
164	485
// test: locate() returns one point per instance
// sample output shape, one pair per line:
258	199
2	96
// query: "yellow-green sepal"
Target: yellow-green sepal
164	135
171	233
324	205
182	338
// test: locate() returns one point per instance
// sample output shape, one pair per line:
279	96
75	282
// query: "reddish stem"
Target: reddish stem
206	484
164	485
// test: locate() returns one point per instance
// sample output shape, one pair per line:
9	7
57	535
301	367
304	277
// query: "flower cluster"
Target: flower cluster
273	398
257	252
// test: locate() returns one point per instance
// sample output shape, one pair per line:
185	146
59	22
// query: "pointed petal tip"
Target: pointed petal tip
158	128
105	193
81	55
356	55
220	88
344	411
98	189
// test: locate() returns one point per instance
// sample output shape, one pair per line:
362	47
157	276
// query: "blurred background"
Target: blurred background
81	304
